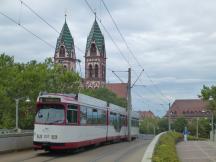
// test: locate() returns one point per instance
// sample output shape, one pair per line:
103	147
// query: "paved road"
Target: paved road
197	151
119	152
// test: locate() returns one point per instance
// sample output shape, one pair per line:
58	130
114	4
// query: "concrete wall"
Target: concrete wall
146	136
16	141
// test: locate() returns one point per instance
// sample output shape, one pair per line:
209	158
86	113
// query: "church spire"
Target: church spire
65	17
95	13
95	58
65	49
96	36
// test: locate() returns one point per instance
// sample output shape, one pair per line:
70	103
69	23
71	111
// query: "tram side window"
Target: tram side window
122	120
72	114
95	116
83	115
135	122
89	116
113	118
101	117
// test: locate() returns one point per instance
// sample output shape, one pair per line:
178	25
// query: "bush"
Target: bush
165	150
193	138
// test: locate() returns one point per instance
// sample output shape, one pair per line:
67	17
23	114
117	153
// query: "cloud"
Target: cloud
175	41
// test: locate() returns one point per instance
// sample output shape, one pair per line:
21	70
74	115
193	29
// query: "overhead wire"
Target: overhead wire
130	51
51	26
26	29
110	36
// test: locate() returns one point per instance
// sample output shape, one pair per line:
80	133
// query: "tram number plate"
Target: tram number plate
46	136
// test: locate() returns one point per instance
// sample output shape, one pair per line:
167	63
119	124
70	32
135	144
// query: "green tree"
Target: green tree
20	80
180	124
204	127
209	94
148	125
163	124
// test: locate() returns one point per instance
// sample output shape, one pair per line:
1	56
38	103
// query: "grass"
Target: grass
165	150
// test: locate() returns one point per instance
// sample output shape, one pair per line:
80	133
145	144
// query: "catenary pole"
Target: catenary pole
129	104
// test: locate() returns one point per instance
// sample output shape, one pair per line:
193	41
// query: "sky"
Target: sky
173	40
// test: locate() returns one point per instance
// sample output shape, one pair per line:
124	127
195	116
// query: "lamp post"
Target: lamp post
197	127
169	117
17	110
212	125
169	120
211	99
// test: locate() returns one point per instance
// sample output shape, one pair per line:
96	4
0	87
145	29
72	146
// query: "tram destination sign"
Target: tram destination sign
49	99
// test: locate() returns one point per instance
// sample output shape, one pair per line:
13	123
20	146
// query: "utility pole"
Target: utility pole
169	122
212	125
197	127
129	104
17	116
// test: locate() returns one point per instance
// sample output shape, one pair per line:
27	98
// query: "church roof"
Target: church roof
97	36
65	37
120	89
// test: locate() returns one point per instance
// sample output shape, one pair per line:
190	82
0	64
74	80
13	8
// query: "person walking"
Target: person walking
185	133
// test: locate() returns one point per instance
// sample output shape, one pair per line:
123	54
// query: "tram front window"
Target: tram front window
50	114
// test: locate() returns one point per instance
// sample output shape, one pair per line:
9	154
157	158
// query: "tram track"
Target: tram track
129	151
117	152
122	155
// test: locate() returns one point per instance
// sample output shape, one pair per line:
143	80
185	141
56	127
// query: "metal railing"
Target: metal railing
14	131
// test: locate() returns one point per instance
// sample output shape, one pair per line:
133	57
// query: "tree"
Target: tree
163	124
148	125
20	80
209	94
204	127
180	124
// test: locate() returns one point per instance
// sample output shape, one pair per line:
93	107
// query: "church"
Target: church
95	55
95	59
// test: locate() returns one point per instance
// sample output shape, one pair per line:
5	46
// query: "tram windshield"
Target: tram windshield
50	114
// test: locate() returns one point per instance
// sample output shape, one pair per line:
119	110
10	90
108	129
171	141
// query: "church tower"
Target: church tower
65	51
95	58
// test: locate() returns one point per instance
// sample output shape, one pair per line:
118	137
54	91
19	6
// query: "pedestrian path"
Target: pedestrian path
196	151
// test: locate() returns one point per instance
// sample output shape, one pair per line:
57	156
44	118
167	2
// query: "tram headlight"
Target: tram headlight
54	136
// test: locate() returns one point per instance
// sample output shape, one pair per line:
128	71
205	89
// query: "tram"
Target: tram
68	121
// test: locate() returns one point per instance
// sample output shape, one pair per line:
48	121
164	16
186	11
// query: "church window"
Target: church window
93	50
90	71
103	72
96	71
102	53
62	52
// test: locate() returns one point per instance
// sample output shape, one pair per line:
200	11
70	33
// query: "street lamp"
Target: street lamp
212	124
17	109
212	120
169	116
197	127
170	113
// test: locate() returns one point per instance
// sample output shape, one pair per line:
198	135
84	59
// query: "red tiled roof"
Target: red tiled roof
189	107
144	114
120	89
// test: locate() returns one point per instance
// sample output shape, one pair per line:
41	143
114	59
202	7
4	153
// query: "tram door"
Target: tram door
72	114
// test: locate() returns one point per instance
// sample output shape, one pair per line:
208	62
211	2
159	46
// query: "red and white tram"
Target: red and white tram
67	121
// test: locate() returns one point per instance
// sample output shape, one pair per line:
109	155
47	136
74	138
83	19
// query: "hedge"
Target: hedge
165	150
